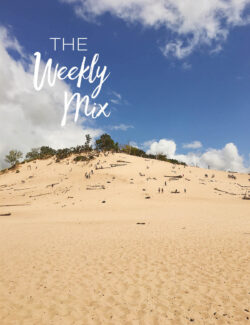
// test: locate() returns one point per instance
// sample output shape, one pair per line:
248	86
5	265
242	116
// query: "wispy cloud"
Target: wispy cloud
193	24
117	95
192	145
186	66
121	127
117	98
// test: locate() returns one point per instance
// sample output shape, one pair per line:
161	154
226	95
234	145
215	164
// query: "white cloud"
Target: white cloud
226	158
29	118
164	146
192	23
121	127
192	145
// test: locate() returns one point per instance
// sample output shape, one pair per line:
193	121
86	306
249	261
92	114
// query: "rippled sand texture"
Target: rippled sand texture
67	258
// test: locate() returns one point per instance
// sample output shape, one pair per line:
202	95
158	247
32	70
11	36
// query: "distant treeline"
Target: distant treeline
104	143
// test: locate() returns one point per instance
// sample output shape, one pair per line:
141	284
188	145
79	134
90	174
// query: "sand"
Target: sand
96	251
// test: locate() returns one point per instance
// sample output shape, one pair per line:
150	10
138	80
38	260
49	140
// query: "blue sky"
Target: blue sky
202	96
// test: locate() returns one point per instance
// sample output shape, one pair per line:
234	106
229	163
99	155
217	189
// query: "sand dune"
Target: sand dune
112	249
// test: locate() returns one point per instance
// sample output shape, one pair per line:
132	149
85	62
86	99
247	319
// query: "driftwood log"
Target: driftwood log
172	176
216	189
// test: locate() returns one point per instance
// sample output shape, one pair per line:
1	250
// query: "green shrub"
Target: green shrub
33	154
62	154
46	152
106	143
83	158
13	157
80	158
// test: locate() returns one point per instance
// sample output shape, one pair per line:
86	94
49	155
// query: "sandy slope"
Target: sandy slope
68	258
